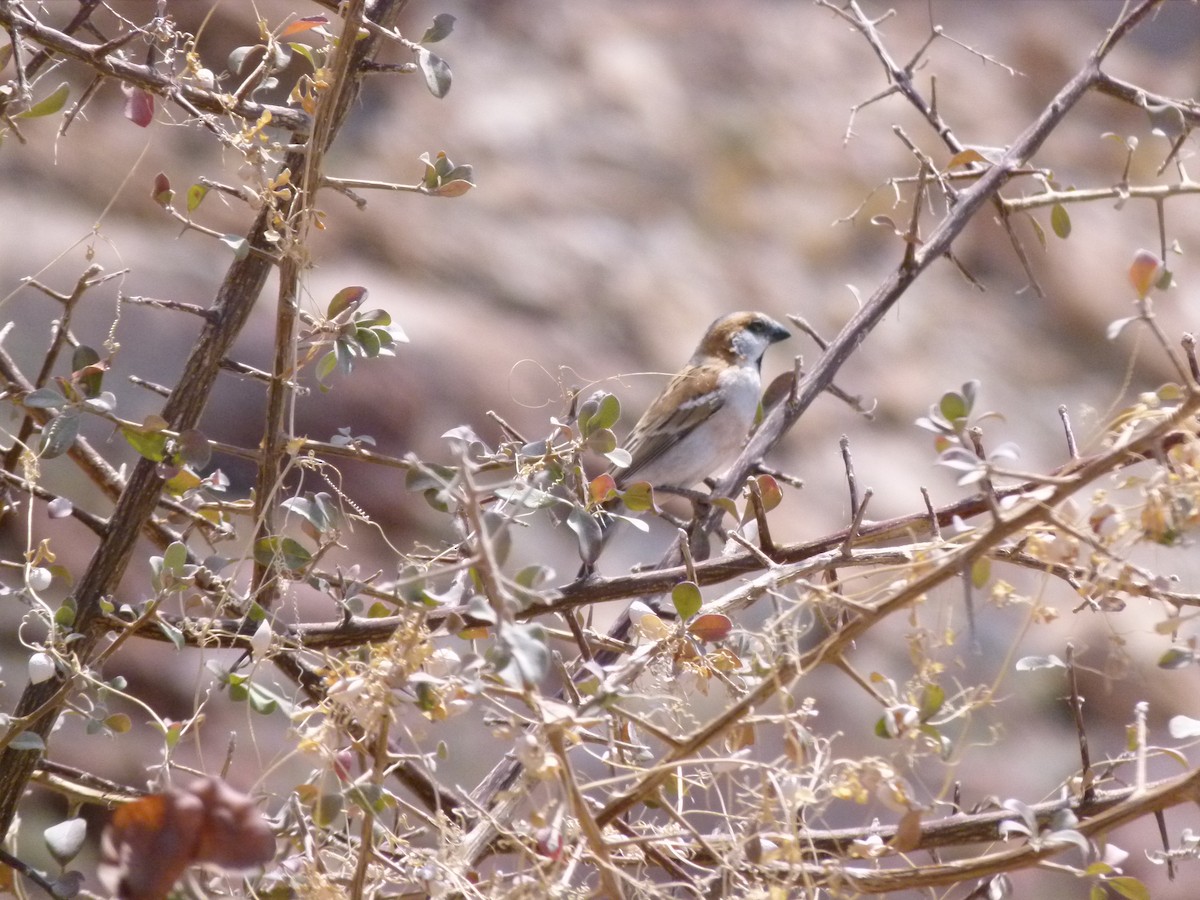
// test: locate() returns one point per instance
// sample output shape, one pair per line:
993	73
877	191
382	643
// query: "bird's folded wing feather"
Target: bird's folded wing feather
688	401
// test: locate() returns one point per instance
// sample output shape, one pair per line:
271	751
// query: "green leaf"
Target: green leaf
439	477
181	481
368	340
174	635
686	599
87	370
44	398
443	25
521	655
1176	658
237	58
1060	221
175	558
64	616
83	356
150	444
1038	231
327	808
304	50
261	701
1128	887
372	318
436	71
58	435
118	723
953	407
318	510
326	365
533	576
346	299
608	411
587	532
51	104
932	699
981	572
195	196
639	497
284	551
602	441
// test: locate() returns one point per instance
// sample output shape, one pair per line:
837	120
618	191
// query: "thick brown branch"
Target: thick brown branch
235	299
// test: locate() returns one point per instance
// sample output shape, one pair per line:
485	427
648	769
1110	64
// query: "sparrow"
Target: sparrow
702	419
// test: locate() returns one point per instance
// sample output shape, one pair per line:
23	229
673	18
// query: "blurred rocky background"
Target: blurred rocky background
642	168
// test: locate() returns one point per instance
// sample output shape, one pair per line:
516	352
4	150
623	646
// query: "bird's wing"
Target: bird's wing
688	401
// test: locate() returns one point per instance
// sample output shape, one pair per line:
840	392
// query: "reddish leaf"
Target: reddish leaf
602	488
348	298
1143	272
769	491
711	627
162	192
139	107
306	24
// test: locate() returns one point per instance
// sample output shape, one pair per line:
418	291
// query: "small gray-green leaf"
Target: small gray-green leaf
58	435
436	71
443	24
27	740
588	532
44	398
65	839
237	244
173	634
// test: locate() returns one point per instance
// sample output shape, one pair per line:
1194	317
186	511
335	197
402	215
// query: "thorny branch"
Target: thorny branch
301	648
785	415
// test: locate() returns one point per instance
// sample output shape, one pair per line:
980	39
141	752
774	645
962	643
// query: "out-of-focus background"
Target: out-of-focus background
643	168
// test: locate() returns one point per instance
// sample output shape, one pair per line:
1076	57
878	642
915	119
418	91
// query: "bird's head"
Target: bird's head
741	338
